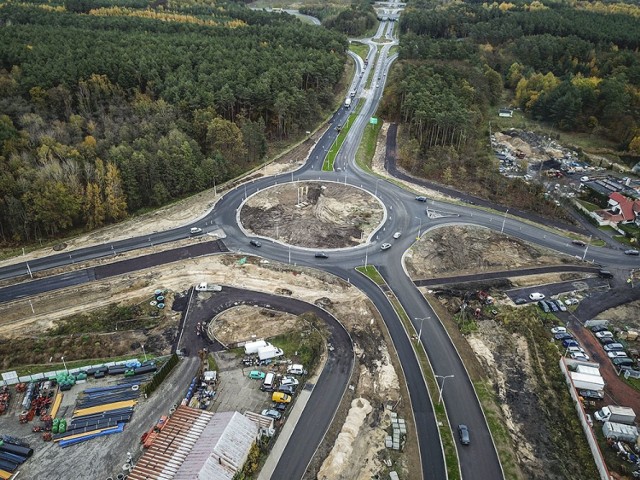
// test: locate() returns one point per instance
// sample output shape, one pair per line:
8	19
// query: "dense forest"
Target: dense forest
574	67
109	107
353	21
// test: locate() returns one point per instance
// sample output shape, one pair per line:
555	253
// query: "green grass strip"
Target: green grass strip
359	49
329	160
446	437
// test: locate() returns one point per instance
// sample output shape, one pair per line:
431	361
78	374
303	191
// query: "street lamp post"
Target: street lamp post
420	227
442	385
421	322
503	221
65	365
144	353
376	192
584	255
366	255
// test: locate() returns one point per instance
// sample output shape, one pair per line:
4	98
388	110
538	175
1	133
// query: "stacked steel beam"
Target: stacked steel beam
100	411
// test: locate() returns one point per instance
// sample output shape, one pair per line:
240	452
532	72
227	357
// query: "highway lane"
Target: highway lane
478	460
404	214
78	277
431	453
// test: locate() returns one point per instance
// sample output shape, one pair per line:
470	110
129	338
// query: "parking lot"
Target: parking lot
237	392
551	290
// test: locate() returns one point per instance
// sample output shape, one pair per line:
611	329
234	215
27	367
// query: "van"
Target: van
296	369
280	397
268	384
605	274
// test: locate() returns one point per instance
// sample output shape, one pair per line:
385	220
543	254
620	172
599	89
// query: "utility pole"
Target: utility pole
584	255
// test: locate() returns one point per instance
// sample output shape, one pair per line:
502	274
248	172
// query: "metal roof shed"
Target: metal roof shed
198	444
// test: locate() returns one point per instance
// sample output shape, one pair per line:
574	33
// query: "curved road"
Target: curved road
327	391
404	214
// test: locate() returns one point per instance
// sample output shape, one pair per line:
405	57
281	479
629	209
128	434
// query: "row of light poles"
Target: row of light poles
442	377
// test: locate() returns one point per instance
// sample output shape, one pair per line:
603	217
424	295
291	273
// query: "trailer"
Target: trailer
252	347
620	431
583	381
587	370
616	414
269	352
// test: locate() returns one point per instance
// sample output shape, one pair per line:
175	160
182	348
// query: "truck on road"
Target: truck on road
620	431
347	103
616	414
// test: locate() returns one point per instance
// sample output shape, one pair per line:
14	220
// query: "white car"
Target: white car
555	330
579	356
397	234
195	230
296	369
536	296
289	381
385	246
617	354
604	334
575	349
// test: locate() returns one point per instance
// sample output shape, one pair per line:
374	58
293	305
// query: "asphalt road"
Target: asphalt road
327	392
403	214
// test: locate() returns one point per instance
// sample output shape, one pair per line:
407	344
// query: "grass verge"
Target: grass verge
359	49
367	148
329	160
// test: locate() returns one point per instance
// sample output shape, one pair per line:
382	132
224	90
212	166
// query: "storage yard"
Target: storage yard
87	442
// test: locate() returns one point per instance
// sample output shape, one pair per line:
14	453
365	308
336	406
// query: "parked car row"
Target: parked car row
552	306
615	350
569	342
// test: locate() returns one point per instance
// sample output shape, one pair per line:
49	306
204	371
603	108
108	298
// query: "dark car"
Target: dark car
463	433
543	305
622	362
570	343
607	340
520	301
288	389
598	395
563	336
421	199
605	274
599	328
281	407
552	306
255	243
321	255
632	252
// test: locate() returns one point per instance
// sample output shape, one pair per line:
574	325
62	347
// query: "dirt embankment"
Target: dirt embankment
463	250
531	396
312	214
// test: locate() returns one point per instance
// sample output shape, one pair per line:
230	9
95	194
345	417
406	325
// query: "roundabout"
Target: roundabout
310	214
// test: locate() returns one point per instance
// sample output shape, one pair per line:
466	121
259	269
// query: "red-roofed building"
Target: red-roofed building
620	209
